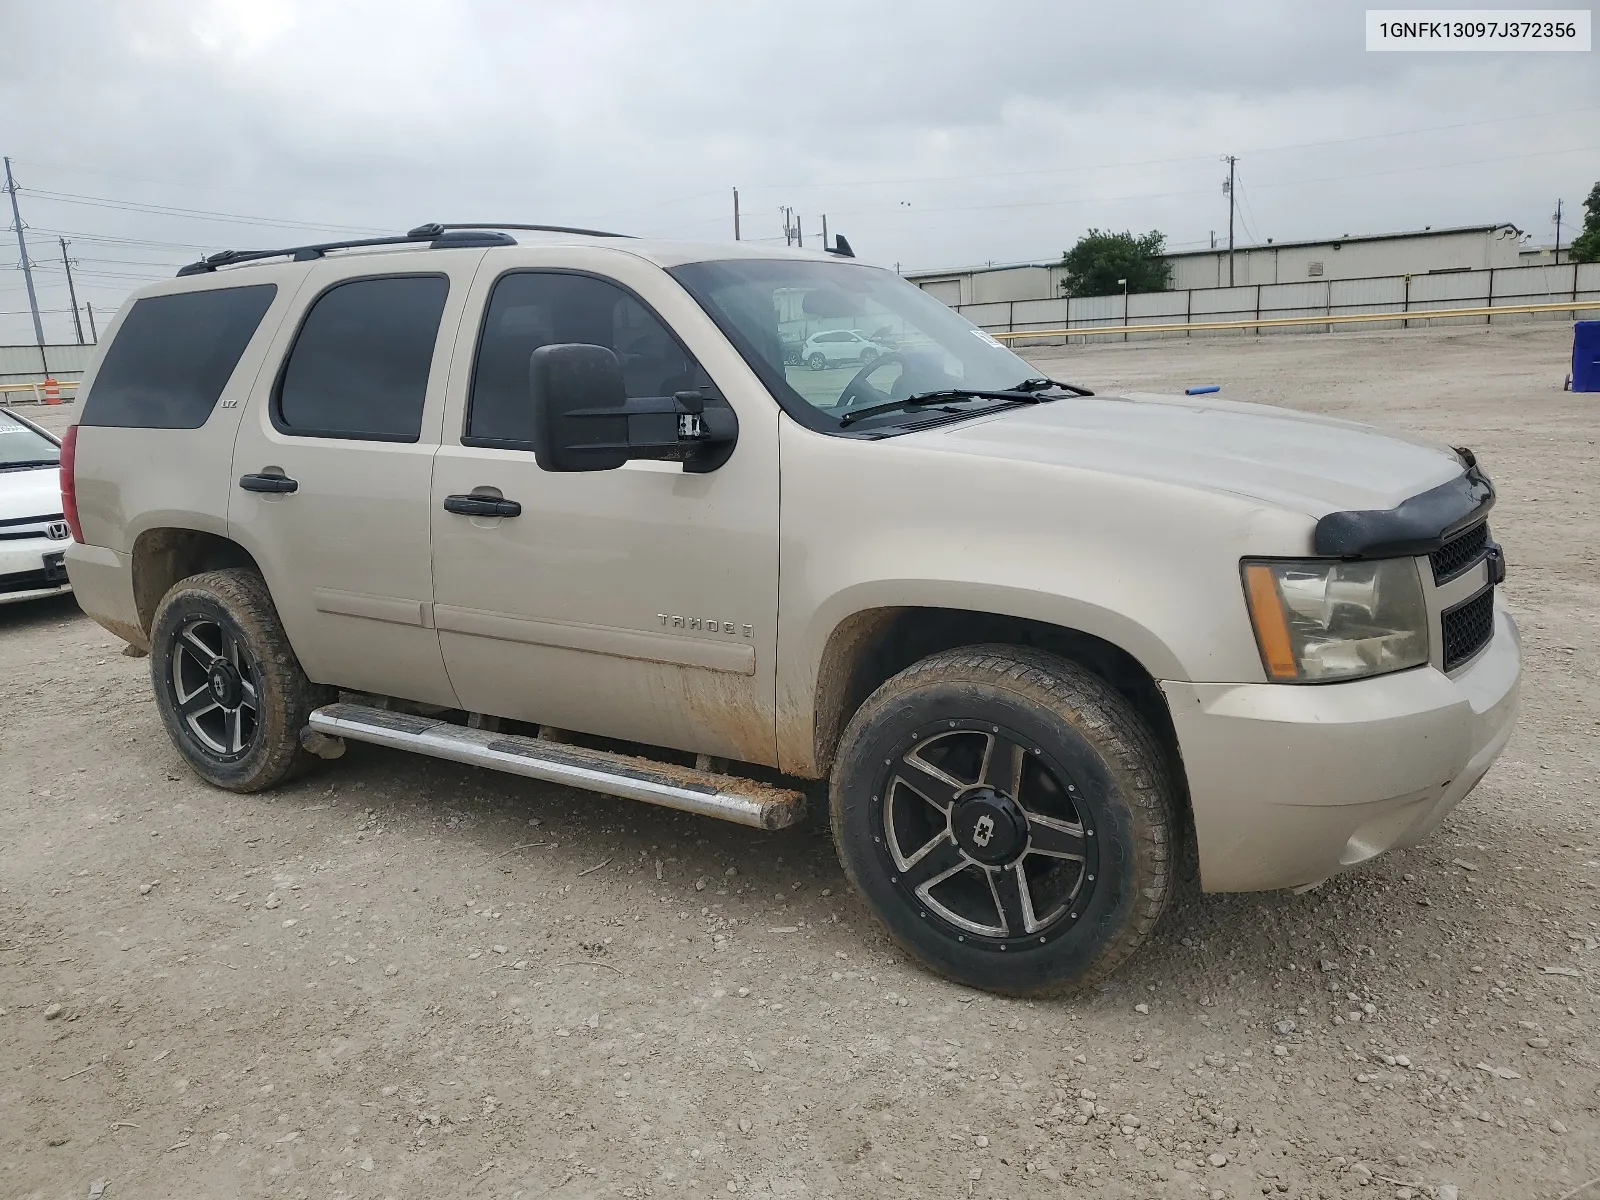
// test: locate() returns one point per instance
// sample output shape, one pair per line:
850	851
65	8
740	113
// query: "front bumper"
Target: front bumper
1291	784
31	569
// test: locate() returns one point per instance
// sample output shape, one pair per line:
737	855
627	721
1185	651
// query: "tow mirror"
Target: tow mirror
584	420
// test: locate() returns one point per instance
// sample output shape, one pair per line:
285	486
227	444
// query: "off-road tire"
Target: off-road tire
237	599
1065	715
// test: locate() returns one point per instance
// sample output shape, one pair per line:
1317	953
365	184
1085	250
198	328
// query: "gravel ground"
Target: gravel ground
406	978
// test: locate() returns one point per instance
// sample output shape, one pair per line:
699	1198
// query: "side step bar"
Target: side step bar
744	801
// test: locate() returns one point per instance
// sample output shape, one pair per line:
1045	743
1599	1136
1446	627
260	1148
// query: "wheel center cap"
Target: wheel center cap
989	827
223	680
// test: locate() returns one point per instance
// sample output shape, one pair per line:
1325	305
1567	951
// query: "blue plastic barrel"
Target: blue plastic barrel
1586	356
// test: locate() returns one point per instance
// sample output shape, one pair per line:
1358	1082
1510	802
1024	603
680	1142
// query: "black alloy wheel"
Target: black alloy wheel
1008	816
216	687
228	684
985	834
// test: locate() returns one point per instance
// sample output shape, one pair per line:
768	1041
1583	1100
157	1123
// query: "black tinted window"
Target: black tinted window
532	309
359	367
173	356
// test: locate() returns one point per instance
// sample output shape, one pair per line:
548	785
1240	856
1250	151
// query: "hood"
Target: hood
30	492
1300	461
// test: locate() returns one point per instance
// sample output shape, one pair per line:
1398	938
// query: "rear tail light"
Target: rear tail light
69	482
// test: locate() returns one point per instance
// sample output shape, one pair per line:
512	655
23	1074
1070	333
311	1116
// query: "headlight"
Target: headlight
1318	620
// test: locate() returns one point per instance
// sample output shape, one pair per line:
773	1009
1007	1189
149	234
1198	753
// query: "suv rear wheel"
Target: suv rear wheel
228	685
1009	818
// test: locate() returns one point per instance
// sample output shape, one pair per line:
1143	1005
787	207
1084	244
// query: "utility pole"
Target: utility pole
799	237
94	333
72	292
1558	232
1228	187
788	238
824	231
22	247
736	214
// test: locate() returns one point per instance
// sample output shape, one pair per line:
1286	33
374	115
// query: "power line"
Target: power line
168	210
187	185
1248	216
112	240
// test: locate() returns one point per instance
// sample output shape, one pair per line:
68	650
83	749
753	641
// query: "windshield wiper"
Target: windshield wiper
923	399
1039	383
30	462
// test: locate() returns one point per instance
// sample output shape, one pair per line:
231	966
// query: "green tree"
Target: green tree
1586	246
1100	259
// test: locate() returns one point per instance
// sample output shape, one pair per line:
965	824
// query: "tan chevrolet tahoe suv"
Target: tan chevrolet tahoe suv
551	502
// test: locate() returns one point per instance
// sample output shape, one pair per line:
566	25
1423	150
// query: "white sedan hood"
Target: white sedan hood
30	492
1294	460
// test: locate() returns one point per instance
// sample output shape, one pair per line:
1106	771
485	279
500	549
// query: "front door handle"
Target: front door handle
268	483
482	506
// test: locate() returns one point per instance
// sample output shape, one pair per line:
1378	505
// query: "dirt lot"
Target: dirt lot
411	979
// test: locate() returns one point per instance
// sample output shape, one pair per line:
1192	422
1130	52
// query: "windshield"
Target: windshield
21	446
831	337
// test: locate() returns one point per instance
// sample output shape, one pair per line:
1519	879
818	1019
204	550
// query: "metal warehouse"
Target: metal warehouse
1419	252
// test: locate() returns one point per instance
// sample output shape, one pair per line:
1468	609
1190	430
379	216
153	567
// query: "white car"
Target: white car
835	347
33	533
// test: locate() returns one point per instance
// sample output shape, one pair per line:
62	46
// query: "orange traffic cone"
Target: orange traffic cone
52	391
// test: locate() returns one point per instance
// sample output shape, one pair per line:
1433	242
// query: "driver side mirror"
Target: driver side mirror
583	419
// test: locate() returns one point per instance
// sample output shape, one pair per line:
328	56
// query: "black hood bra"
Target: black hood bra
1419	525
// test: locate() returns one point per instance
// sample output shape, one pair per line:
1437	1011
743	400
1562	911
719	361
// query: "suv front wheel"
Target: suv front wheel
1008	816
228	685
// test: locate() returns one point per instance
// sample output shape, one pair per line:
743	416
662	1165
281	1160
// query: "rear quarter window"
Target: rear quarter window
172	357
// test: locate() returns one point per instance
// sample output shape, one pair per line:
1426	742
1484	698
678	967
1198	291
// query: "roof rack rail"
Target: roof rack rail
438	237
536	228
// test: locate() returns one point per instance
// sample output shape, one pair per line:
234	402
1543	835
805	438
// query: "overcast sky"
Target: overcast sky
932	132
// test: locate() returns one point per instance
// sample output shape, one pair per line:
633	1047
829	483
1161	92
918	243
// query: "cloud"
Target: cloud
932	133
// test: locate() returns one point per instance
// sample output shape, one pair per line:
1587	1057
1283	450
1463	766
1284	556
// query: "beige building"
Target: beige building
1420	252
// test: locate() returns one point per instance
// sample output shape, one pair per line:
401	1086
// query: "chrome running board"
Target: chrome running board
743	801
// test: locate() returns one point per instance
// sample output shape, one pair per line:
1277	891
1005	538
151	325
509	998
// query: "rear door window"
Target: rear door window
359	366
172	357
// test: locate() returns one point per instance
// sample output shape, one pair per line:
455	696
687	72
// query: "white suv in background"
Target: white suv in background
33	533
833	347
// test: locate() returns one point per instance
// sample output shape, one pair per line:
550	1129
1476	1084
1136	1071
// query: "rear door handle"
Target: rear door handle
482	506
268	483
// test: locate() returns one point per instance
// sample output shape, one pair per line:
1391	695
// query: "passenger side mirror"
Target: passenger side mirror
583	419
565	380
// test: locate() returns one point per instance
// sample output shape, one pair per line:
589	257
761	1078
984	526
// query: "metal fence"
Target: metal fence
31	364
1502	286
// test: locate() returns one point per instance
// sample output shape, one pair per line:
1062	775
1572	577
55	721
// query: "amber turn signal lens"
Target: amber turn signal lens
1270	621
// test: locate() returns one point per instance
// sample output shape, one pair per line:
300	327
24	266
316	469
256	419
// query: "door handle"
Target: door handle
268	483
482	506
